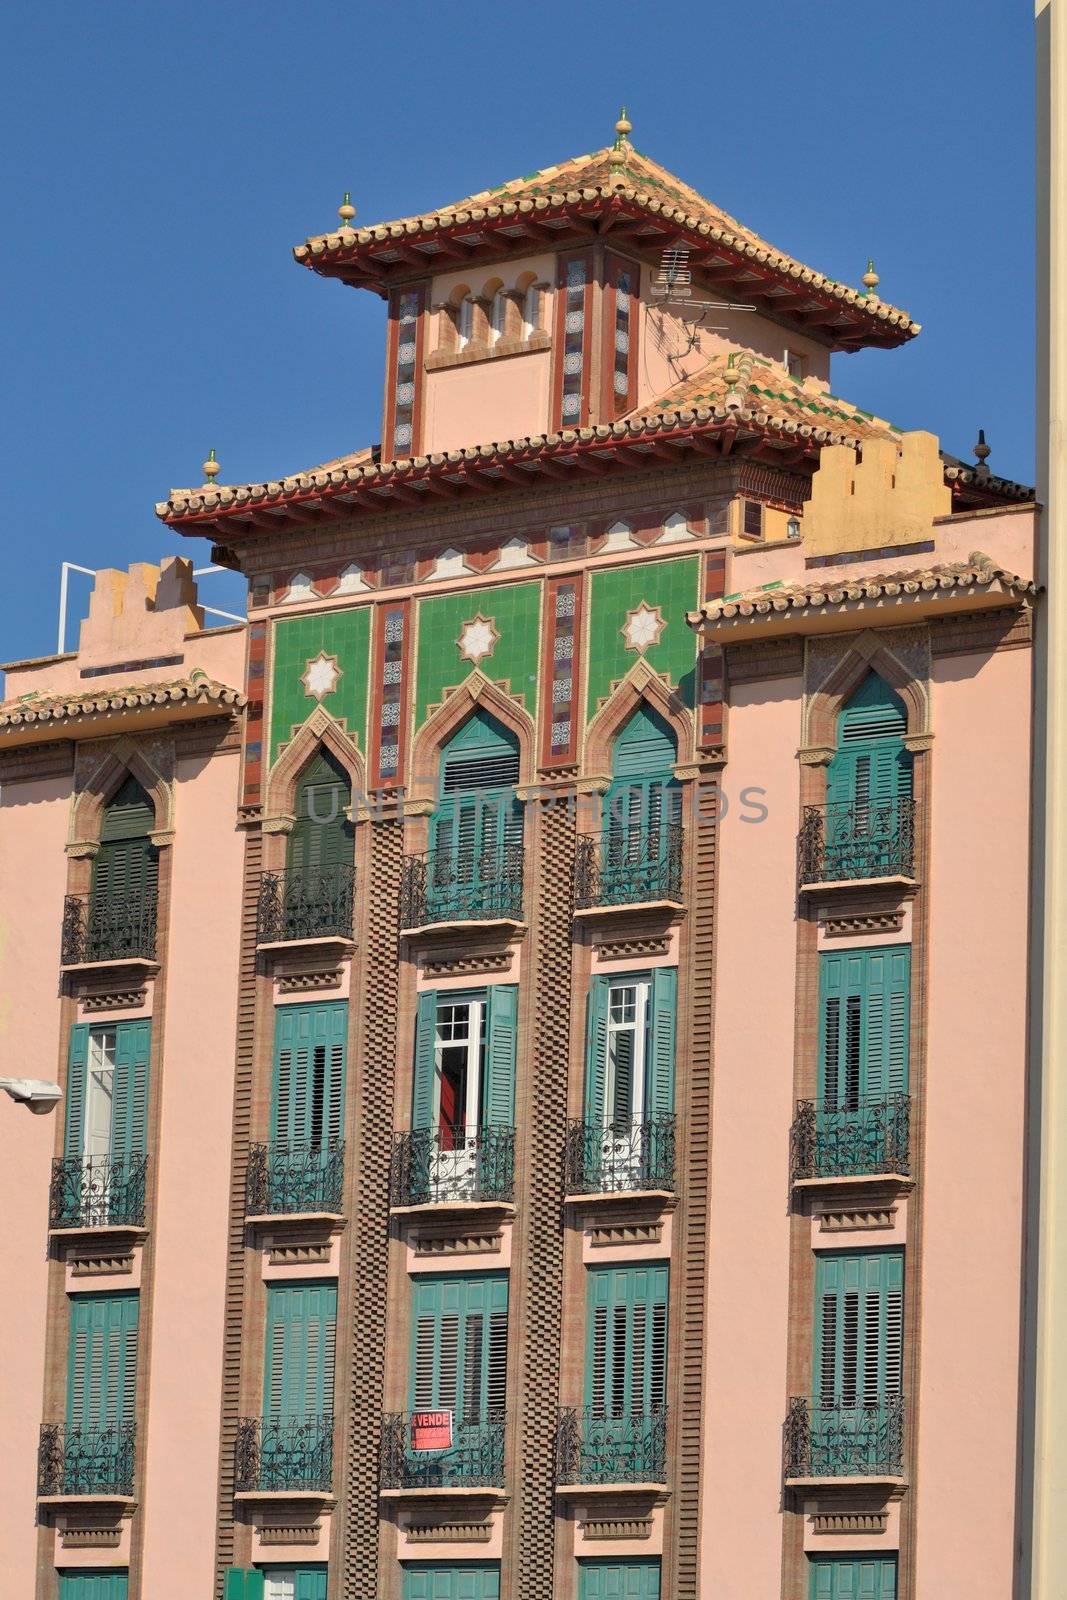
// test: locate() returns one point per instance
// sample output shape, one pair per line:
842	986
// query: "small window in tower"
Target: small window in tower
531	310
794	365
752	524
792	528
466	322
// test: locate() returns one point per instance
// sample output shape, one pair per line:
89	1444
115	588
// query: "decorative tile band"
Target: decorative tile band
618	1528
449	1532
850	1522
452	1244
562	618
616	1233
873	922
255	687
392	630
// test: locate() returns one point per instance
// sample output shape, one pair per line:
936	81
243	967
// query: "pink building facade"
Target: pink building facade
540	1012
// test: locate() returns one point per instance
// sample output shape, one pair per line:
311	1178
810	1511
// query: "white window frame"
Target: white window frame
475	1061
640	1028
99	1092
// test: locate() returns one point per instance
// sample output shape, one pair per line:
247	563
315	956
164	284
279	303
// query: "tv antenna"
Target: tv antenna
673	281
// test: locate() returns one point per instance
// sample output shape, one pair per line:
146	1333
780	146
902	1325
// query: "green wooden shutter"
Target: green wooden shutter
459	1345
301	1347
102	1360
626	1340
310	1583
859	1325
77	1085
596	1051
459	1580
659	1092
322	835
129	1103
502	1005
310	1044
853	1577
864	1024
243	1583
619	1580
111	1585
478	812
422	1095
643	791
871	763
125	869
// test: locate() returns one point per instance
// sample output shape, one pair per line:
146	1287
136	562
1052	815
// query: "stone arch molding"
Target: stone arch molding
476	691
866	652
320	729
100	782
640	683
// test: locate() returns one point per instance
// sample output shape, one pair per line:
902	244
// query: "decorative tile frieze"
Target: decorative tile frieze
298	982
620	1232
850	1522
617	1527
115	999
457	966
271	1533
632	947
1005	628
852	1220
452	1531
456	1244
765	658
864	923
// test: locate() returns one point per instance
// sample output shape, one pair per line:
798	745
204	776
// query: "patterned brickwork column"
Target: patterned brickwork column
540	1279
369	1223
684	1558
233	1334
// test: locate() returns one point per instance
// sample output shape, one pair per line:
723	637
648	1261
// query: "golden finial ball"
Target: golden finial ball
870	277
624	127
346	210
211	467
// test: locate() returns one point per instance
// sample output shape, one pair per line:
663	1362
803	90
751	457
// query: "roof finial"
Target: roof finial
982	453
346	210
871	279
623	129
211	469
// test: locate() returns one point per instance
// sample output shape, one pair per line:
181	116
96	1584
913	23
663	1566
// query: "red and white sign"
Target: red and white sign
431	1430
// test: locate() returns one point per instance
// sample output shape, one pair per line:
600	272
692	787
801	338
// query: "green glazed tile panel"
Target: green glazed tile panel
298	640
670	586
515	611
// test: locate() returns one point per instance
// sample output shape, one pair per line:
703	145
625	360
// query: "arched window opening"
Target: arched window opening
313	898
121	918
475	865
869	807
641	843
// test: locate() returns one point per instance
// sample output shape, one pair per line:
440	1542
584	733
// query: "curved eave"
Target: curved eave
375	258
854	605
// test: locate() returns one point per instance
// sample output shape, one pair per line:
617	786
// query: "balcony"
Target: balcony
99	929
97	1192
474	1460
857	843
851	1139
623	1158
297	1179
844	1438
75	1463
458	1166
596	1450
443	887
284	1455
611	873
315	903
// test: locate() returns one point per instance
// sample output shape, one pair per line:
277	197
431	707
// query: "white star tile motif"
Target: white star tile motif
321	676
477	638
642	627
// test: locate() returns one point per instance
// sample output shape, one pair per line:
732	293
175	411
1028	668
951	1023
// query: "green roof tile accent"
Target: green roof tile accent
515	611
671	586
298	640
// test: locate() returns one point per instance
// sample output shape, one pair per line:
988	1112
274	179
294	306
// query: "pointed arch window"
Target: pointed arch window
640	845
312	899
475	865
870	822
120	918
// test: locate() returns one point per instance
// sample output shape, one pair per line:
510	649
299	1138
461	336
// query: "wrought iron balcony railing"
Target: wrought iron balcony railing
456	886
623	1157
77	1461
592	1447
434	1167
474	1459
97	1192
844	1438
625	872
851	1139
310	904
872	839
284	1453
283	1179
100	928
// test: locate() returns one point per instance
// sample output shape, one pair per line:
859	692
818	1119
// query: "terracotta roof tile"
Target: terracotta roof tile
30	710
824	593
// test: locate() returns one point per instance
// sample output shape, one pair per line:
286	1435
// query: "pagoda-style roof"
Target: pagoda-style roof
629	198
739	402
86	712
831	600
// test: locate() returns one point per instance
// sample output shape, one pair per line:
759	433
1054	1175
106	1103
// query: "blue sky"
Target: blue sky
163	158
